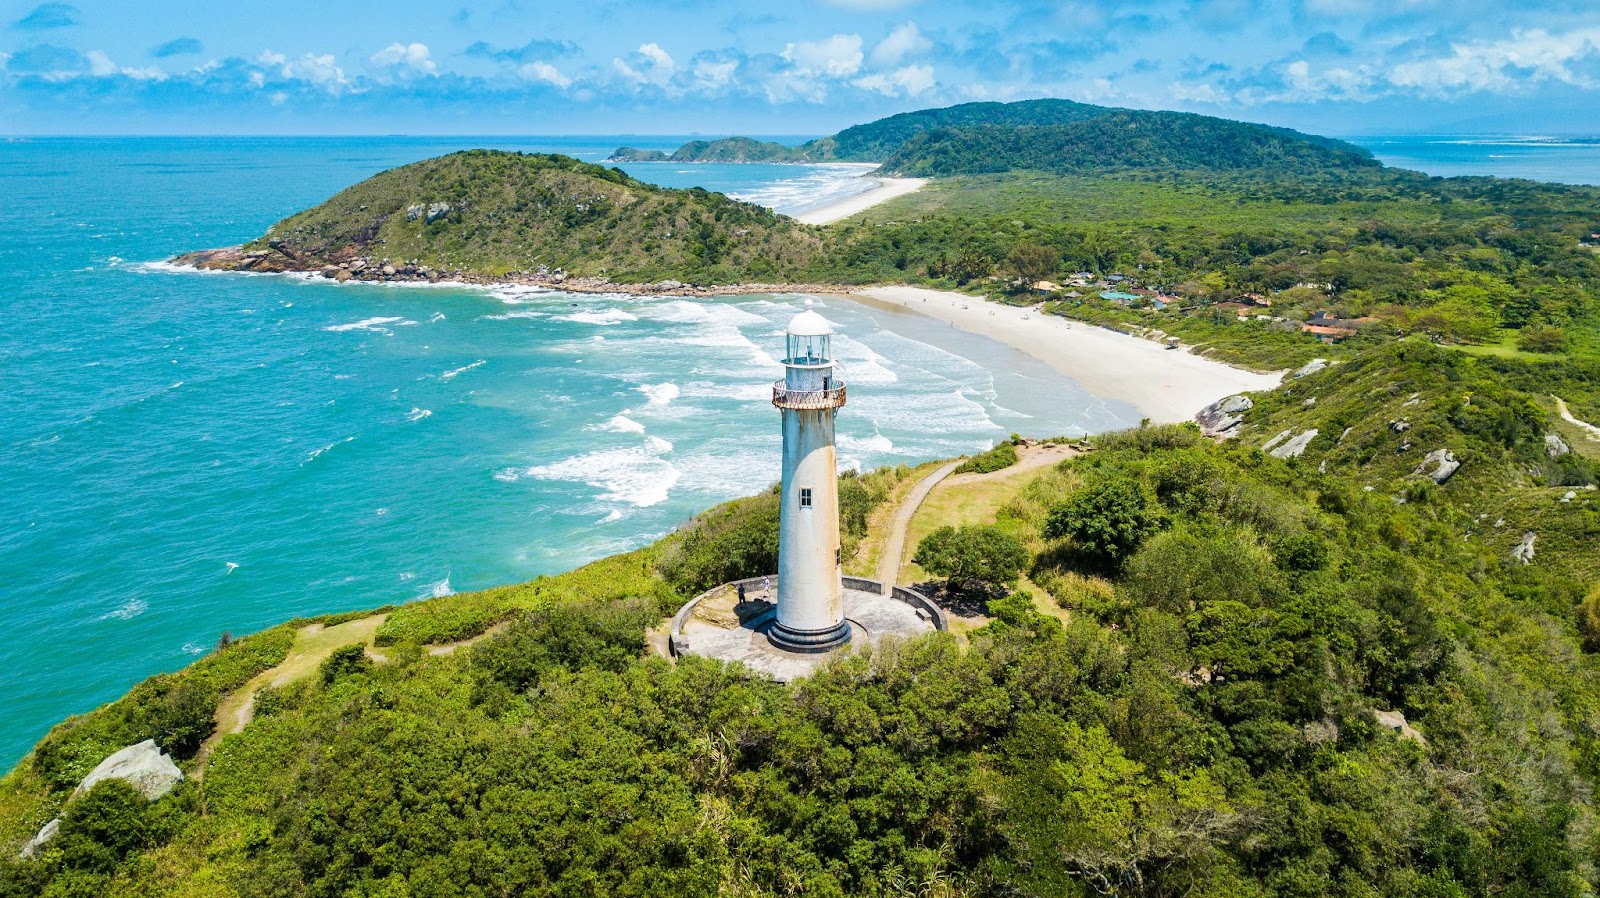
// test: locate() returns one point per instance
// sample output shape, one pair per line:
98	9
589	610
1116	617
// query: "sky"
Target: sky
1342	67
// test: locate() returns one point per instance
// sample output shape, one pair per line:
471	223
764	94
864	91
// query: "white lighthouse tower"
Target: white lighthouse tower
810	606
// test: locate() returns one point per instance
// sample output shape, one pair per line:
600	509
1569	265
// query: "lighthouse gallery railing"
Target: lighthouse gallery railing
783	397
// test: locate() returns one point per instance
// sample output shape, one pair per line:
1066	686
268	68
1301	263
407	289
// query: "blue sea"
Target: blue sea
1564	160
184	454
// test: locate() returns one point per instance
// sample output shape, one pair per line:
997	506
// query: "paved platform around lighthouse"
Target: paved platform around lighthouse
716	624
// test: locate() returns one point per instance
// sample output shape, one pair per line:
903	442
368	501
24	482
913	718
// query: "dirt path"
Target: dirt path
1589	430
894	545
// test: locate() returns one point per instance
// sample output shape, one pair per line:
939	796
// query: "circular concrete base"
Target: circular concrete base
808	641
718	625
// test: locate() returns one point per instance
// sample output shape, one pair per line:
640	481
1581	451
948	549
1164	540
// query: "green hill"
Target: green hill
878	141
1168	141
487	213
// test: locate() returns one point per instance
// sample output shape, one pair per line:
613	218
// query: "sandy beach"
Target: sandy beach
1166	385
887	189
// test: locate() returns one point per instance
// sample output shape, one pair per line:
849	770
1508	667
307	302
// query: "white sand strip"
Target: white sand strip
887	189
1165	385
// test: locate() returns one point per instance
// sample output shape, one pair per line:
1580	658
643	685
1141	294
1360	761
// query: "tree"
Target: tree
980	556
1106	522
1542	339
1589	619
345	660
1029	262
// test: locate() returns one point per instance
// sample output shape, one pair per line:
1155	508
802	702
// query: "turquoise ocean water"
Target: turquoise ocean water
186	453
183	454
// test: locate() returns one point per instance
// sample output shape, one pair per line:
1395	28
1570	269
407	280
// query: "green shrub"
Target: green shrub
344	661
1000	457
1589	620
1106	521
1540	338
981	557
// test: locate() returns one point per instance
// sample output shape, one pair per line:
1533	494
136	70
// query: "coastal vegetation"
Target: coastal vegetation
489	213
1263	679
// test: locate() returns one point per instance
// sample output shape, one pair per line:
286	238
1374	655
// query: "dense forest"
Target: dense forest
1231	674
1124	140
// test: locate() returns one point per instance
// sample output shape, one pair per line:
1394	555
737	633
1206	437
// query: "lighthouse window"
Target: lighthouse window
805	497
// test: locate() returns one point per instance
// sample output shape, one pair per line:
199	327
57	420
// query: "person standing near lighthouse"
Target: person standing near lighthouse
810	605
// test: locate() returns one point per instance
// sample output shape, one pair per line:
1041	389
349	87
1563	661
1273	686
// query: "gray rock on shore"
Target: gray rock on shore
1222	417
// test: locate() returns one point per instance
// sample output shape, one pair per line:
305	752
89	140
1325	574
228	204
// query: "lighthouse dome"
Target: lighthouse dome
809	324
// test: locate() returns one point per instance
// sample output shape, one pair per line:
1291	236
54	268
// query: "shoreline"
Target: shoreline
1165	385
887	189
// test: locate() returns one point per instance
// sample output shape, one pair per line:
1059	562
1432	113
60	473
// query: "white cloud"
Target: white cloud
659	58
413	56
651	65
267	57
838	56
710	74
911	81
316	69
905	40
544	71
100	64
1508	64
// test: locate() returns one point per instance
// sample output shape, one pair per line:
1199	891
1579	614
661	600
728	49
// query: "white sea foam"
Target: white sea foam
127	610
194	648
659	395
622	424
417	414
874	443
599	317
637	475
441	589
232	566
374	325
613	515
519	313
462	370
437	317
318	452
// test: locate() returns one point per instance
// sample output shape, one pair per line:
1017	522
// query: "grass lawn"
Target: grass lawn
312	645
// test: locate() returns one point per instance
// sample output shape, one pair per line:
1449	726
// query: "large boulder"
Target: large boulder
1224	415
1295	447
1311	367
144	766
1555	446
1438	465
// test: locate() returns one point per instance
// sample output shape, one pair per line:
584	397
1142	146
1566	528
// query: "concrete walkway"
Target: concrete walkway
895	544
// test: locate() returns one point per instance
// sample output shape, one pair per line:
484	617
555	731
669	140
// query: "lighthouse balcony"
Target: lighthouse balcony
783	397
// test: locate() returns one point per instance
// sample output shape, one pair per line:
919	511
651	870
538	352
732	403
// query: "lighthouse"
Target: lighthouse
810	614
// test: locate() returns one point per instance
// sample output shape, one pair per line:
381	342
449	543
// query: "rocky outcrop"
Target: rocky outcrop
1523	551
1311	367
1555	446
144	766
45	834
1438	465
1295	447
1221	418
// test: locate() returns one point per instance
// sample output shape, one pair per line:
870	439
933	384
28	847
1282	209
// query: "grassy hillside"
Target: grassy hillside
489	213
